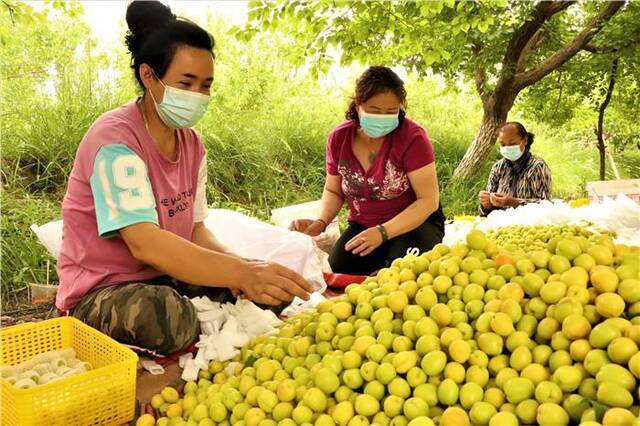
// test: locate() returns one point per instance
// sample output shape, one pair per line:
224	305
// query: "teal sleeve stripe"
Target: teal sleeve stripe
122	192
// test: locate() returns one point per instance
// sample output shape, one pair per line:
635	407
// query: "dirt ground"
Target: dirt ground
23	311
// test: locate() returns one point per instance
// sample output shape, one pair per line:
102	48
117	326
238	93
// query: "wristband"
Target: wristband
383	231
323	222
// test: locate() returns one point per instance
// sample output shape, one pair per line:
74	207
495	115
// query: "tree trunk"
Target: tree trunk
601	150
513	78
599	128
495	114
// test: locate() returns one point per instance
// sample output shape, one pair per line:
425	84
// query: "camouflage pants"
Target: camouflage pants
155	315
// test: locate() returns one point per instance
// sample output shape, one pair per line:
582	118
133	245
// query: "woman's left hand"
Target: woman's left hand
501	200
365	242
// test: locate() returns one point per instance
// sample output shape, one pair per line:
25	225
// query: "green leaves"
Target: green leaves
598	408
483	25
431	56
440	36
496	4
433	8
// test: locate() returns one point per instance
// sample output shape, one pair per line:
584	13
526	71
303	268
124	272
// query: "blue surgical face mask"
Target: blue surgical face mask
378	125
511	152
180	108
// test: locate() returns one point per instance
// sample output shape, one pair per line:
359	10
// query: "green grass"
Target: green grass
628	163
265	135
571	167
260	157
24	259
573	160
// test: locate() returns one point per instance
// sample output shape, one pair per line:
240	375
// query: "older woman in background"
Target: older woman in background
519	177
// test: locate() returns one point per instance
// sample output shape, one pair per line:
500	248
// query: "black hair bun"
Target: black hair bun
142	18
530	137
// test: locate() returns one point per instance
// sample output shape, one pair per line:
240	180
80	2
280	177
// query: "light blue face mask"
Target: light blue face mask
180	108
378	125
511	152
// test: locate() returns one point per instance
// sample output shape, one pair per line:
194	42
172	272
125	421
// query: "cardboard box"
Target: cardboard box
611	188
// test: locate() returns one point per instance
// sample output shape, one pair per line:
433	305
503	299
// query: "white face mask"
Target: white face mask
378	125
180	108
511	152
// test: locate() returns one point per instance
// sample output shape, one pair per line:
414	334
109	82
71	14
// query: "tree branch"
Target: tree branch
603	106
533	43
561	56
398	18
600	49
633	39
479	73
12	10
542	12
607	98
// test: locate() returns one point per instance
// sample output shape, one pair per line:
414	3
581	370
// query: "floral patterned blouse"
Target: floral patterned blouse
528	179
383	191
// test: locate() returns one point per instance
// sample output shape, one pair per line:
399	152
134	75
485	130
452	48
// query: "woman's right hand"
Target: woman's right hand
271	283
309	227
485	199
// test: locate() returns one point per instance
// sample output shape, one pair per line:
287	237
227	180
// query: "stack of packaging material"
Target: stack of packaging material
225	328
620	215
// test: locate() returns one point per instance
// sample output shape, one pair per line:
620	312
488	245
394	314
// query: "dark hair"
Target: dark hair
155	33
522	132
372	82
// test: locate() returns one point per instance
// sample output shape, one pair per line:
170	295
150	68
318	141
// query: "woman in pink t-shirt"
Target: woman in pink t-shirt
383	165
134	242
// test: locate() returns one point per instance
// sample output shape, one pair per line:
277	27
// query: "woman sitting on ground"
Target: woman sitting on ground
135	204
519	177
382	164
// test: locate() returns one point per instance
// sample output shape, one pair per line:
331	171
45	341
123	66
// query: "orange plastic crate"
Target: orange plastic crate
105	395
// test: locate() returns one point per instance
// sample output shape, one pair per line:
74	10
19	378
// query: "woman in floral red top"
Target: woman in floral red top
382	164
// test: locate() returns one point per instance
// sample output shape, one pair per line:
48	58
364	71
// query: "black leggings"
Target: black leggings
424	237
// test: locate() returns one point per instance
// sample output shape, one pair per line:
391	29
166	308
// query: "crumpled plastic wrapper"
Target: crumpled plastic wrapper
299	305
225	329
190	371
182	360
456	231
152	367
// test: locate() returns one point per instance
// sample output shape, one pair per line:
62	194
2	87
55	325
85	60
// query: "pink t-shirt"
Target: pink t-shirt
120	178
387	190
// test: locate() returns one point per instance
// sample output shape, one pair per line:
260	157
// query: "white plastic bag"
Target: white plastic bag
253	239
243	235
50	235
299	305
620	215
283	216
